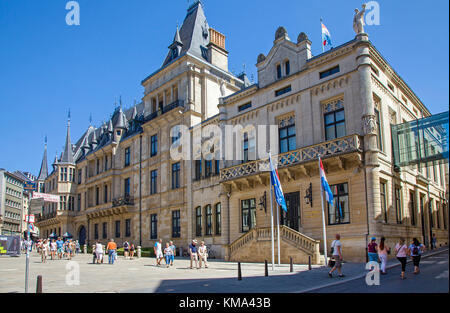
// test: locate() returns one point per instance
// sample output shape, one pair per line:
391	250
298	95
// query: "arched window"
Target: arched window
218	218
208	220
198	221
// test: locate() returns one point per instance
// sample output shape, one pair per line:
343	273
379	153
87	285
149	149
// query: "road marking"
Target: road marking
9	269
444	274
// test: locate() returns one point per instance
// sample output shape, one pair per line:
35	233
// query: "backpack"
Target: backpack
416	250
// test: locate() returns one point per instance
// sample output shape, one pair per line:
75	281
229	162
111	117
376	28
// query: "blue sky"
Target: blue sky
47	67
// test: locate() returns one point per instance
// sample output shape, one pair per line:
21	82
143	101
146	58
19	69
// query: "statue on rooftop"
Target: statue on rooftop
358	20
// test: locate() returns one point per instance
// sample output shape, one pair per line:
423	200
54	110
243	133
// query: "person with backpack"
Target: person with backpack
401	251
416	249
336	254
383	251
126	249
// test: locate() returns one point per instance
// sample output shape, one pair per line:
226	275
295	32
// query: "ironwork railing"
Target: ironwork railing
173	105
125	200
334	147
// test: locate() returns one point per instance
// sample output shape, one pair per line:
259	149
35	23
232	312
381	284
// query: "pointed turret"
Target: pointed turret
67	156
43	173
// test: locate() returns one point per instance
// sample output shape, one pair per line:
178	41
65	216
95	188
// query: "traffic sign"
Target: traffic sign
29	185
29	218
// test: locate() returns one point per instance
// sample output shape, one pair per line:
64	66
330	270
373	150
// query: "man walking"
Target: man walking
193	253
173	248
158	252
111	248
336	248
59	246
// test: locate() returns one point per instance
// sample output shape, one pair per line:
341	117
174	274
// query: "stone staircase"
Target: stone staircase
255	246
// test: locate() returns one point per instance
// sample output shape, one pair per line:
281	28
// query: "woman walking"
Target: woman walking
168	254
416	249
372	250
203	254
131	251
401	251
44	251
99	252
383	250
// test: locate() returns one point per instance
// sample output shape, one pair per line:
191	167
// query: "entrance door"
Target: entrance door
82	236
291	218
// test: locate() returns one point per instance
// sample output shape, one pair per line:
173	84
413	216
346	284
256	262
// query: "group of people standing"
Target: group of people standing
168	254
198	254
57	248
98	251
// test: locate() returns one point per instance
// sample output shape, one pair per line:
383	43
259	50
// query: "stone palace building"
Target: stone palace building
119	180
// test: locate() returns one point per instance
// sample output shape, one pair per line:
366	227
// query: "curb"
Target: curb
363	275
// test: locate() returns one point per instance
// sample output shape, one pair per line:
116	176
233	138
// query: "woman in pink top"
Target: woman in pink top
383	250
401	251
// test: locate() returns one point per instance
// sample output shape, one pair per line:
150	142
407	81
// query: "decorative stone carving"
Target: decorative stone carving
280	33
286	121
302	37
358	20
261	58
222	87
370	124
333	105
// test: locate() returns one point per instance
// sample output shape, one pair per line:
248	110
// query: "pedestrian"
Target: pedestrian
59	246
53	248
383	251
167	254
416	249
372	250
111	248
401	251
336	253
174	252
94	254
44	250
132	251
433	241
203	254
126	248
99	252
77	247
158	252
193	253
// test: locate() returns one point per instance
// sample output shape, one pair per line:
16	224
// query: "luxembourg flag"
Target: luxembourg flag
325	186
275	180
326	37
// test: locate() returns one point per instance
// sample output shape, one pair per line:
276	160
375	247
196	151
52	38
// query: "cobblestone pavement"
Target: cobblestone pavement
141	275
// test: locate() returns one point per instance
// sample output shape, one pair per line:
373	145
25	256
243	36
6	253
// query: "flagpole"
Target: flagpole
323	222
271	227
278	233
323	46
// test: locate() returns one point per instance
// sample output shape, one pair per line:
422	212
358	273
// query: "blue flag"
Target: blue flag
275	181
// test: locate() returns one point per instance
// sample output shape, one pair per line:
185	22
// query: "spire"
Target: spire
67	156
43	173
56	159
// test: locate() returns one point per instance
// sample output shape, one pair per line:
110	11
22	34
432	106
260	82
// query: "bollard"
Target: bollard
291	265
266	269
39	284
139	253
239	271
309	263
85	249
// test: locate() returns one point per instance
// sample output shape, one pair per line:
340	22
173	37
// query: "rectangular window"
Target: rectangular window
329	72
198	169
208	220
176	224
286	137
248	213
97	196
379	137
208	168
412	208
339	212
383	201
198	221
282	91
154	145
334	124
117	229
128	227
438	215
278	71
218	219
105	194
244	106
104	232
98	166
127	156
398	204
127	187
287	67
153	182
217	167
79	202
176	175
95	231
79	175
106	163
444	215
430	207
153	226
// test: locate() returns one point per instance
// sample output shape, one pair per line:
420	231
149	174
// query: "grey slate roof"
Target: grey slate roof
43	173
67	155
194	34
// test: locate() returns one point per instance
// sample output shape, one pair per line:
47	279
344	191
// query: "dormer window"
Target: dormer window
278	71
287	67
174	53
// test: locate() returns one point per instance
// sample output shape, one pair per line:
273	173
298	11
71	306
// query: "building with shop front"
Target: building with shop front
11	203
121	181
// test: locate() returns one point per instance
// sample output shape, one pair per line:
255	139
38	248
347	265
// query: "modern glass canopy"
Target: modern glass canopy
421	141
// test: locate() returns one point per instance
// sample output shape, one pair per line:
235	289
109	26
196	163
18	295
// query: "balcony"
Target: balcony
122	201
332	148
47	216
165	109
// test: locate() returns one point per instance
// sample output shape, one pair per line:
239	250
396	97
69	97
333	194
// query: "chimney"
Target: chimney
217	54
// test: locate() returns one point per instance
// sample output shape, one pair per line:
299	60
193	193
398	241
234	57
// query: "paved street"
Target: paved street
140	275
433	278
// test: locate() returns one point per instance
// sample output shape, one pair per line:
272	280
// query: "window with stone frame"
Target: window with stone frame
218	216
127	156
153	226
104	230
383	199
339	212
198	221
334	119
154	145
377	104
176	228
176	175
208	220
128	227
95	231
412	207
153	182
286	134
198	169
398	204
248	214
117	229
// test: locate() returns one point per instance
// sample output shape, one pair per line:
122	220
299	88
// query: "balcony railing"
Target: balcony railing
167	108
334	147
47	216
125	200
